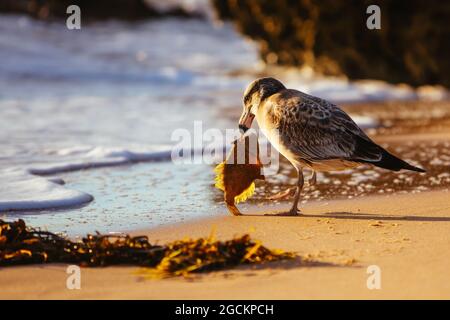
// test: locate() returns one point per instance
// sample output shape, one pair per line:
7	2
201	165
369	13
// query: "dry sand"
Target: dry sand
407	236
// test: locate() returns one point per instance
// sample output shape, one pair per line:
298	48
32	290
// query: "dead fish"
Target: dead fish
236	175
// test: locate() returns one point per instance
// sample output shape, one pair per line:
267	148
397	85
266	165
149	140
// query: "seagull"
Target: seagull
311	133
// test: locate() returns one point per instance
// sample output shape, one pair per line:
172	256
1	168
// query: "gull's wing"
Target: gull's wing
315	129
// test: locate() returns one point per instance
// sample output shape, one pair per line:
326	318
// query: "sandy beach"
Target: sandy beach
407	236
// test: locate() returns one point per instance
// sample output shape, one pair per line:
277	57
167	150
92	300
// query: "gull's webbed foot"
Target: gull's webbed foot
313	180
291	213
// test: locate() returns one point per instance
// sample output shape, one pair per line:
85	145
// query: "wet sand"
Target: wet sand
347	226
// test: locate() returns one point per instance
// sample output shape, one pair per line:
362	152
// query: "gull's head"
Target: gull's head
256	92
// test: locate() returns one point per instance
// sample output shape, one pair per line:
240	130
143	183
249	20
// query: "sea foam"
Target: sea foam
21	190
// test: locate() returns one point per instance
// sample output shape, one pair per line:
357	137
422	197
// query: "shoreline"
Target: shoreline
406	235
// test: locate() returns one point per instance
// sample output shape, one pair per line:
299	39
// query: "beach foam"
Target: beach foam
22	191
78	158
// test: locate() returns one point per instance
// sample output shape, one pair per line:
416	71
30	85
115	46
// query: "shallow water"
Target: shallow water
131	197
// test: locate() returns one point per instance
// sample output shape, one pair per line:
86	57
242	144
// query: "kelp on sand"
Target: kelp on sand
20	244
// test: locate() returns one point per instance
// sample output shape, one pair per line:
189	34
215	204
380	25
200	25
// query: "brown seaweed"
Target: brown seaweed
236	175
20	244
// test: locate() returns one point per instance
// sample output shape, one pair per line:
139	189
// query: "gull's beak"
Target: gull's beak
245	122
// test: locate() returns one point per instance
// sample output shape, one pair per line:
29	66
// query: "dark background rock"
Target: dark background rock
90	9
412	46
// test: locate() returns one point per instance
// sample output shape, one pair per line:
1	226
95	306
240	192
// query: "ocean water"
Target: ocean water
87	117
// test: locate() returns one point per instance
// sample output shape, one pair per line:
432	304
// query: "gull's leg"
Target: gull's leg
294	210
289	192
313	180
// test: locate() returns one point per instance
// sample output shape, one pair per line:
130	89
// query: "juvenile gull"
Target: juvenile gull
311	132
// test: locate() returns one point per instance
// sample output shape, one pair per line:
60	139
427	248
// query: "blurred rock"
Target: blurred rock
91	9
331	36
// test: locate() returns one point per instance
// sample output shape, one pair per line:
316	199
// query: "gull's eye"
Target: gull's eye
246	99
